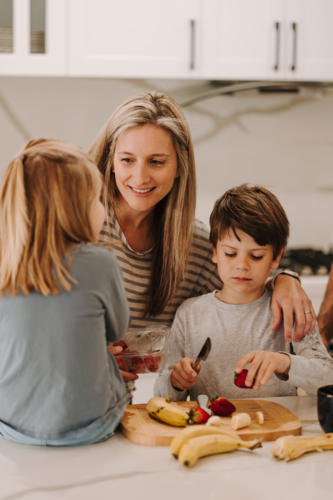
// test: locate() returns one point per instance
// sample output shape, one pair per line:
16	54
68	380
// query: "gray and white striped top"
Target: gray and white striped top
201	276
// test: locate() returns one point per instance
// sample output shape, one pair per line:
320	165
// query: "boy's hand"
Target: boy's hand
183	376
263	365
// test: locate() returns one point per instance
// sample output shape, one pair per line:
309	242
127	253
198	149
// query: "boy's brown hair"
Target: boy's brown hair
253	210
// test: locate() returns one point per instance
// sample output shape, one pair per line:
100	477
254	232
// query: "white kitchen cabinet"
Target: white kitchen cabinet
20	57
309	40
242	39
268	40
131	38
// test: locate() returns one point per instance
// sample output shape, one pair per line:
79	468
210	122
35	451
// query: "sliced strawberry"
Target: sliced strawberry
197	415
221	407
239	380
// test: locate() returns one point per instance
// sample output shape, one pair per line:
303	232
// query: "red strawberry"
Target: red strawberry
197	415
137	365
152	362
239	380
122	362
221	407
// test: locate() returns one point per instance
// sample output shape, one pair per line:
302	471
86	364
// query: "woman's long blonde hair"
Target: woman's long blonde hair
174	215
45	199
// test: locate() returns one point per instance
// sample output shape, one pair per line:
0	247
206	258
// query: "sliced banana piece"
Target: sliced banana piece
214	422
239	421
260	417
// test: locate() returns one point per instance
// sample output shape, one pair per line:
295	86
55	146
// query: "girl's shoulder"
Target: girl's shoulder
93	257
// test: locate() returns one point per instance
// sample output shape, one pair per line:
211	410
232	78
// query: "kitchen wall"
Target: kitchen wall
284	142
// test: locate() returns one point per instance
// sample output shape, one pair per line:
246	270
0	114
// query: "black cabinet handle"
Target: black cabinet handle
277	47
192	44
294	28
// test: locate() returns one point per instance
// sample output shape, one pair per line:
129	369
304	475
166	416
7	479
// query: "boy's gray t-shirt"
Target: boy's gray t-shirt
56	373
235	330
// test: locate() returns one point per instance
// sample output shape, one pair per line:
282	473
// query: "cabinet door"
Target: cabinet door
32	40
131	38
243	39
309	48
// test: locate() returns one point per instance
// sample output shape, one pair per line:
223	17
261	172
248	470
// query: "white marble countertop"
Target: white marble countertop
119	469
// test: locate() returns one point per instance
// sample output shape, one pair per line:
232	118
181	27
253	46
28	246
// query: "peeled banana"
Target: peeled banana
193	432
170	414
290	447
202	446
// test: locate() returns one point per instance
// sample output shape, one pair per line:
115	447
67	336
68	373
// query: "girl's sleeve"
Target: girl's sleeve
117	312
311	366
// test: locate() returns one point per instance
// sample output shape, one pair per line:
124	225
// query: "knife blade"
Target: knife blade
203	354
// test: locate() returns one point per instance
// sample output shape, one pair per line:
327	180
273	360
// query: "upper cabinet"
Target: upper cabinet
268	40
131	38
33	37
210	39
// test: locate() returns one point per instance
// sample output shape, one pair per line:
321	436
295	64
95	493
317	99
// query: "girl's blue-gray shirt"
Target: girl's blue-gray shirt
56	374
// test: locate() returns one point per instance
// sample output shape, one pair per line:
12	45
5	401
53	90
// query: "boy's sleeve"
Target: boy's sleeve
312	366
163	386
117	313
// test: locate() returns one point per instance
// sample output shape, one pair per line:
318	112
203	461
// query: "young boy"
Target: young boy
249	231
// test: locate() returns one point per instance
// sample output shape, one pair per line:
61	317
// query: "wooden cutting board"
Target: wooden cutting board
138	426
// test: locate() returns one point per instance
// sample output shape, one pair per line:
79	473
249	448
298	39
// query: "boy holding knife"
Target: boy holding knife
249	231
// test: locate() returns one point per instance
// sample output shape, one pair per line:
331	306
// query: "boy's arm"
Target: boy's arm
312	366
163	386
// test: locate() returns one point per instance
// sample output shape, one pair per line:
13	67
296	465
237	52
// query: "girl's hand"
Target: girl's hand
183	376
290	298
126	375
263	365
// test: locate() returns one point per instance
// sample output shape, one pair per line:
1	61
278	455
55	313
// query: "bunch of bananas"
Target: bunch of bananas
290	447
194	442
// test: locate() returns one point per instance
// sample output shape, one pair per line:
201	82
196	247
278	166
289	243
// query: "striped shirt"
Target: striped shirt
201	275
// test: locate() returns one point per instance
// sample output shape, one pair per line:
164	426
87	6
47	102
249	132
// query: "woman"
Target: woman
145	154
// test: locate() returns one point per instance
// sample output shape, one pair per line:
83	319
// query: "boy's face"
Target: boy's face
243	266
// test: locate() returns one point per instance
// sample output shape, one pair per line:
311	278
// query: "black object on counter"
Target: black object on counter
297	259
325	407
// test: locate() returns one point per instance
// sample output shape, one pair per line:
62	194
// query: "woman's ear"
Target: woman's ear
276	262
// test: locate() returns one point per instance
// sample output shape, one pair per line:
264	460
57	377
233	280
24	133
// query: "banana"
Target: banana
203	430
290	447
202	446
161	409
241	420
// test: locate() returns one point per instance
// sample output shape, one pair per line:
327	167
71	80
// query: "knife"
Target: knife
203	354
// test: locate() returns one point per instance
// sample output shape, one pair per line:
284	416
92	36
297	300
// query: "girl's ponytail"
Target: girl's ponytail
14	224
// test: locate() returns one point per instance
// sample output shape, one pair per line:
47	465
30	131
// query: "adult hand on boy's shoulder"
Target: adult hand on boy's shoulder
289	298
183	376
263	365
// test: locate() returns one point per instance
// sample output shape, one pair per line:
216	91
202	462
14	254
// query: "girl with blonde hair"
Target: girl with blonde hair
145	154
61	297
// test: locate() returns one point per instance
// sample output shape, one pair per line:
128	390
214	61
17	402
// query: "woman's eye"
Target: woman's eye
230	254
126	160
257	257
157	163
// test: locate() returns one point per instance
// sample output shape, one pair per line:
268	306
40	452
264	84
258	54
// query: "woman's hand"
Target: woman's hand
290	298
126	375
183	376
263	365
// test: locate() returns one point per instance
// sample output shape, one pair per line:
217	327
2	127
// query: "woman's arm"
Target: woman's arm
325	316
290	299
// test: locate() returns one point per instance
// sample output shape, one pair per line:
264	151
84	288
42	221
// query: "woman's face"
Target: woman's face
145	167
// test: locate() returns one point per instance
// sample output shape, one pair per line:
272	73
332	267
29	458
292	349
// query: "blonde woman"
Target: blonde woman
61	294
145	154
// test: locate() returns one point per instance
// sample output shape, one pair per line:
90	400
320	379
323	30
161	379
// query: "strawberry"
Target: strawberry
122	362
197	415
137	365
221	407
152	362
239	380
